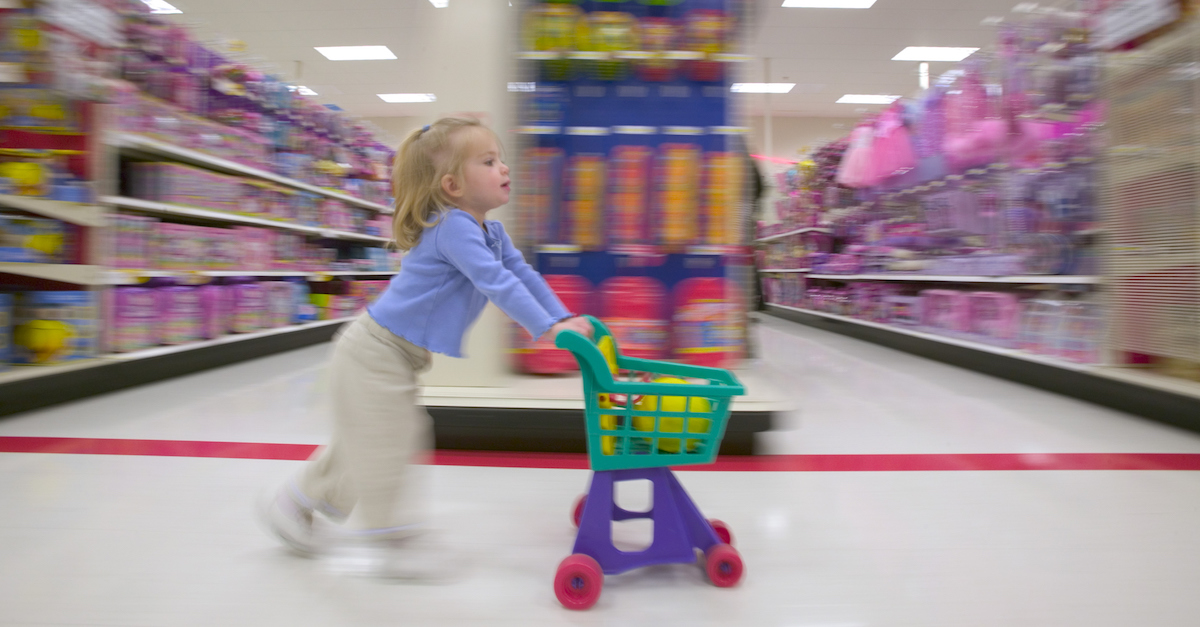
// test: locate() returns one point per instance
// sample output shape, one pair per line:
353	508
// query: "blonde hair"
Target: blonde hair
426	156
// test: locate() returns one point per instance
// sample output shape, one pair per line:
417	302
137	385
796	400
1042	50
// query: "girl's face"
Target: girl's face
485	177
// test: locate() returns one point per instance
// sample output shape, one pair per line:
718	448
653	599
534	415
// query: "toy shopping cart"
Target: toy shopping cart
636	429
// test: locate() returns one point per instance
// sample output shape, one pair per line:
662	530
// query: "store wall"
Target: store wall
792	139
795	137
472	41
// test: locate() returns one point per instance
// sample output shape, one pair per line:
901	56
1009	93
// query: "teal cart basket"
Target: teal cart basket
636	429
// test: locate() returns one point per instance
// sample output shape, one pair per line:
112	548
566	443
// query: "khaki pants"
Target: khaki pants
379	432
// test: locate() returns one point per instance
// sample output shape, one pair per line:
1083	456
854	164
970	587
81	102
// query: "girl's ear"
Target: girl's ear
451	186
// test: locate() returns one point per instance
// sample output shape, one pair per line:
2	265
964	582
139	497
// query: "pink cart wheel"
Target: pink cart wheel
723	565
722	530
578	581
577	513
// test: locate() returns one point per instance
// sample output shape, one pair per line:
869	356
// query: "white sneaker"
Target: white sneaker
291	522
421	558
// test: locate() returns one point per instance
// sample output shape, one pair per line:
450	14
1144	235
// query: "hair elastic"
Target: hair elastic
425	129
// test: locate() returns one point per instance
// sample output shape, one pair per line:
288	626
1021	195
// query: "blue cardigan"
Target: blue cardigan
448	277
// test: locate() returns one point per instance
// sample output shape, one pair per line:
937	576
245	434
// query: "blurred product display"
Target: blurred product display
156	191
636	175
1040	197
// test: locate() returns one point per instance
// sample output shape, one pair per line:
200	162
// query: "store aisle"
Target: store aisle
97	539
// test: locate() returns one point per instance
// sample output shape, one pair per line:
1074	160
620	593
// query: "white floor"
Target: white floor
157	541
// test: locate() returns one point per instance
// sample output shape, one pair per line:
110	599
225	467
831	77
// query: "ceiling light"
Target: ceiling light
828	4
161	7
302	90
522	87
394	98
356	53
920	53
761	88
871	99
440	4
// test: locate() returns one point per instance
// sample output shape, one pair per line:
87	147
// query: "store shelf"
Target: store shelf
73	212
136	143
934	278
25	388
76	274
786	271
168	209
160	351
16	374
811	229
933	337
129	276
1135	391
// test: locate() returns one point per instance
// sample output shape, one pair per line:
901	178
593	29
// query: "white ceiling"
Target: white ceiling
827	52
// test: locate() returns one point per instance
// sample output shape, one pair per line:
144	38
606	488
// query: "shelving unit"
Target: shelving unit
74	213
1165	399
129	143
182	211
24	388
933	278
19	386
159	351
933	337
810	229
75	274
134	276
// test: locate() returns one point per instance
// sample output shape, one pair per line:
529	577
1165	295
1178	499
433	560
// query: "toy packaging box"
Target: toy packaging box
54	327
26	239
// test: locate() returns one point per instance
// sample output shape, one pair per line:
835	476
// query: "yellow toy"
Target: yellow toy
608	443
46	339
669	424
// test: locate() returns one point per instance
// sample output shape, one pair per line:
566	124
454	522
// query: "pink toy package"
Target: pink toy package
133	319
288	251
903	310
279	303
181	315
132	238
994	317
224	251
257	247
249	305
945	310
180	246
252	198
216	307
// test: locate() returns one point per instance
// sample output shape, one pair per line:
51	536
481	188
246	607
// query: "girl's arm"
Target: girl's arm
460	241
515	261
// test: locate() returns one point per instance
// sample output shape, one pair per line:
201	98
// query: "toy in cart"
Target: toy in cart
664	414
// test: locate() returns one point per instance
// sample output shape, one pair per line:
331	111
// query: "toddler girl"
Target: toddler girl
446	178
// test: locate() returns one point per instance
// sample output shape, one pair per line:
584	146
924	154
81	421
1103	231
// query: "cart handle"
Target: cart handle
585	350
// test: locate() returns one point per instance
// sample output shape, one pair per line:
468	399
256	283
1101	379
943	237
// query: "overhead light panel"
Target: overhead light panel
441	4
161	7
356	53
302	90
407	98
828	4
523	87
927	53
870	99
761	88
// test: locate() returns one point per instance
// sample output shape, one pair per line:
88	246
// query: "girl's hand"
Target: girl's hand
577	324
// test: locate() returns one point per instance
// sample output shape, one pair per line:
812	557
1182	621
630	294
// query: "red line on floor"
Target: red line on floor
728	463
